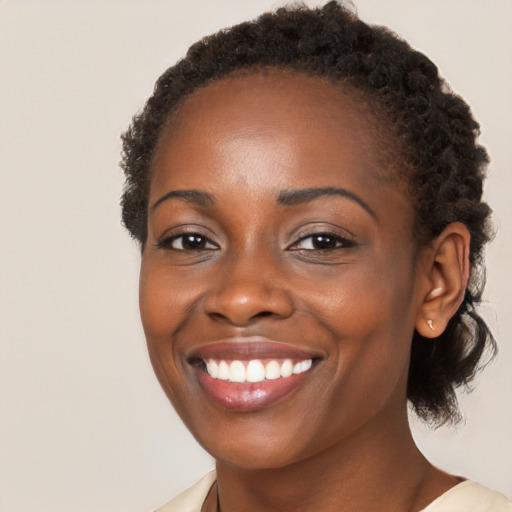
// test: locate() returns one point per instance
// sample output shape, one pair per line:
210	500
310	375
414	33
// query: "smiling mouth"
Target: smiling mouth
250	385
254	370
249	374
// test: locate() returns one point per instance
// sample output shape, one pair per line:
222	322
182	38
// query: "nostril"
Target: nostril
263	314
218	316
241	305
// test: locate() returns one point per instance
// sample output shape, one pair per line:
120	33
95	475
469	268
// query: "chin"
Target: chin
252	445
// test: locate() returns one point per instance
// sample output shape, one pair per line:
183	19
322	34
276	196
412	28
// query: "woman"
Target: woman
307	196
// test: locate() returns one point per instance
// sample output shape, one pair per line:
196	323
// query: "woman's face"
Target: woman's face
277	240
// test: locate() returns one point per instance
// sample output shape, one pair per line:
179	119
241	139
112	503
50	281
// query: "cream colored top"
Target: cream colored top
467	496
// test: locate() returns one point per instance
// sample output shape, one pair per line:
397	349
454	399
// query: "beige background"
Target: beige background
83	423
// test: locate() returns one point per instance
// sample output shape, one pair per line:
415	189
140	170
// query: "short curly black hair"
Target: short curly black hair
433	129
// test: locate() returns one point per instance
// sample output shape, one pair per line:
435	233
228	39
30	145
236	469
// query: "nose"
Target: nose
246	290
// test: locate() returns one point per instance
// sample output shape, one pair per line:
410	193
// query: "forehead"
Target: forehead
244	140
285	114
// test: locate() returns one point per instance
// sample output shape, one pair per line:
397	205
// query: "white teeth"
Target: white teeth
272	370
286	368
213	368
254	370
306	365
237	371
297	368
223	371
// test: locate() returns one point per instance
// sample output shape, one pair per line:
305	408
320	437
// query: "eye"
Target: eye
321	242
187	242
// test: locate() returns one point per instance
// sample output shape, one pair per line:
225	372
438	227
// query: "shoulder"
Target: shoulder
469	495
193	498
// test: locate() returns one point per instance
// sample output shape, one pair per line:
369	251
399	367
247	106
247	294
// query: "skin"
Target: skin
342	438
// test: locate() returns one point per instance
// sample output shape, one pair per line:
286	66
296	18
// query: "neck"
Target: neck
353	475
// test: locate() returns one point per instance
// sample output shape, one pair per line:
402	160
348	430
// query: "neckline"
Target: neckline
210	479
448	495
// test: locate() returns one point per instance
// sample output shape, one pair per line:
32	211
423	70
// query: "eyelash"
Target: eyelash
339	242
167	242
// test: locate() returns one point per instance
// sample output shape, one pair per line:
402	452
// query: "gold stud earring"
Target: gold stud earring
430	324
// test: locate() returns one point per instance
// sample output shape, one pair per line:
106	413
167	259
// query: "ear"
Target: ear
446	274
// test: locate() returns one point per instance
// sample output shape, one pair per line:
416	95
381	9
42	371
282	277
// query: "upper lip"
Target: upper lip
253	347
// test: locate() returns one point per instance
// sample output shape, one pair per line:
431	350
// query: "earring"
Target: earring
430	324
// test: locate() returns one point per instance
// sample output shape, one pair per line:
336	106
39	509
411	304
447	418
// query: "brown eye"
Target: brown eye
187	242
324	242
321	242
190	242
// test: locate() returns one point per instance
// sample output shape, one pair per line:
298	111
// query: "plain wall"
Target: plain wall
84	425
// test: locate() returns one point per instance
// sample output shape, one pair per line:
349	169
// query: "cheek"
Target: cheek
371	315
371	355
163	300
359	296
161	314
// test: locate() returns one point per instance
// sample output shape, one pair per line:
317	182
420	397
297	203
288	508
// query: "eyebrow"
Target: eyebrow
286	197
197	197
306	195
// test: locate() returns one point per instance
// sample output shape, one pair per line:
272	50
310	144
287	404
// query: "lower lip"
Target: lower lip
247	396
